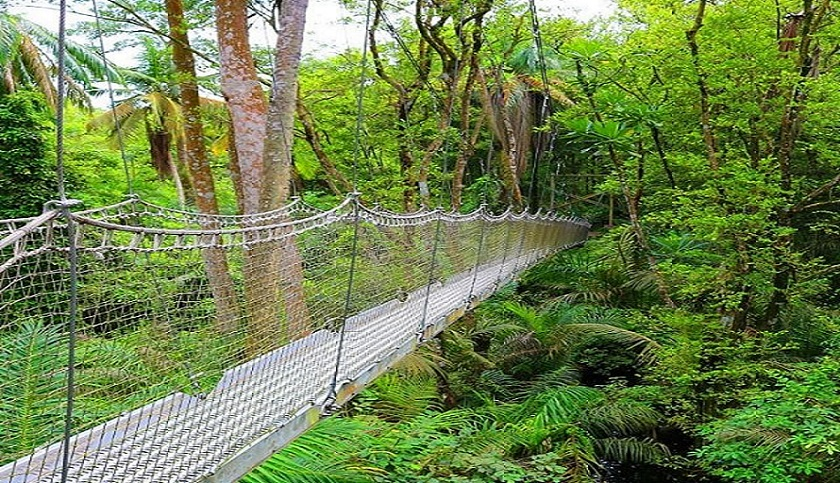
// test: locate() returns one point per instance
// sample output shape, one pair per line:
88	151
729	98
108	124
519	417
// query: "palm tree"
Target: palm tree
547	336
513	97
151	110
150	104
28	54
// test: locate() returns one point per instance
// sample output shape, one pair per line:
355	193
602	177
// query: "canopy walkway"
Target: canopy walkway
145	344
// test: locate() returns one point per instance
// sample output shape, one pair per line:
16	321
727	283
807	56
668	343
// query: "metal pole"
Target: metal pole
508	223
333	394
432	267
71	333
480	249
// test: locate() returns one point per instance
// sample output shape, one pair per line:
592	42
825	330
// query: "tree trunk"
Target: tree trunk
406	158
248	110
502	128
179	185
788	135
631	197
278	159
466	144
246	102
705	108
195	157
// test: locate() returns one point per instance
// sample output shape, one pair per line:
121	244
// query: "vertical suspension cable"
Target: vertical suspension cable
484	221
59	111
508	223
71	341
523	226
333	392
431	279
109	80
65	205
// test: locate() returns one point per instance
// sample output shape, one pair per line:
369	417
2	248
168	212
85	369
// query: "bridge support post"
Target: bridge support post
522	232
333	392
421	330
508	223
483	218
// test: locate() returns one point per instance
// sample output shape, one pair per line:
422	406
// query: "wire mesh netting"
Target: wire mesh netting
197	335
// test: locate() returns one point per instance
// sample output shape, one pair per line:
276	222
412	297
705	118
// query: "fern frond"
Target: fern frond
631	450
619	419
558	406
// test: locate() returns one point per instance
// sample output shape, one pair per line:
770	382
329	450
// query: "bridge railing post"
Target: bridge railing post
431	278
508	221
523	231
481	242
333	391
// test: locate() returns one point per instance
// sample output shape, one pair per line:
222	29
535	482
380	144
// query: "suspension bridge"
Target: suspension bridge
145	344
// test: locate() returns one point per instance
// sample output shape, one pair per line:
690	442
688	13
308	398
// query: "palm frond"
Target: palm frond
83	64
528	316
517	346
135	77
500	384
771	438
30	58
108	119
424	361
498	439
131	126
630	450
32	364
10	37
165	113
632	340
558	406
400	398
641	281
78	95
619	419
442	421
564	376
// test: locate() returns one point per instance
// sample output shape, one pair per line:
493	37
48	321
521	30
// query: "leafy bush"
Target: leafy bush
27	178
785	435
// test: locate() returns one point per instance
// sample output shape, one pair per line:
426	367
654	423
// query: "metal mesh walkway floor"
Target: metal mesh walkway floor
184	438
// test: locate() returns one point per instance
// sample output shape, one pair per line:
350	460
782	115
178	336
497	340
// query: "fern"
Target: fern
630	450
321	455
32	388
558	406
619	419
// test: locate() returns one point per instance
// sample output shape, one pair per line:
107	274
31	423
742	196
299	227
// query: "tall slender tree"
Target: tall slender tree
195	154
262	141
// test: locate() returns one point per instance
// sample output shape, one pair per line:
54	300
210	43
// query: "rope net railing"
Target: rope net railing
197	337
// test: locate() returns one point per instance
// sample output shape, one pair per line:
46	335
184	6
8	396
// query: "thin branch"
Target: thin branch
142	23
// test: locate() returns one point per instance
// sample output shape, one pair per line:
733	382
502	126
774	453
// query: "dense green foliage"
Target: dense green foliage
695	338
27	175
